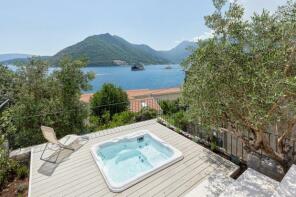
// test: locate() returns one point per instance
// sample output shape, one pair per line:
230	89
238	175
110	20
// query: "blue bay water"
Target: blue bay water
153	77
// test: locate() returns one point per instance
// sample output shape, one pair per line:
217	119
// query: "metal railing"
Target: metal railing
141	109
231	144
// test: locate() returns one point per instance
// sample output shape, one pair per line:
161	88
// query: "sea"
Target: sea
153	77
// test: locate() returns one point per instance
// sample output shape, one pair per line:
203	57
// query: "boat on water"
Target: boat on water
168	67
137	67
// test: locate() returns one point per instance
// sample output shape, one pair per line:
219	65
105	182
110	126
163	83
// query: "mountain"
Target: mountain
104	49
180	52
24	60
11	56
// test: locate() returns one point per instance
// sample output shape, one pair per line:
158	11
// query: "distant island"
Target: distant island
137	67
106	49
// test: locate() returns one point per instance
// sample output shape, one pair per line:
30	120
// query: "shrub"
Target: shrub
20	188
180	121
22	172
174	113
110	99
40	95
7	168
106	117
213	146
146	114
3	177
93	122
123	118
169	107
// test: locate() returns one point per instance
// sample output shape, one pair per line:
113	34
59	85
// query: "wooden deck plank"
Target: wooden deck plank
217	169
153	176
83	154
65	179
189	158
72	186
188	180
79	175
86	162
68	182
168	180
197	152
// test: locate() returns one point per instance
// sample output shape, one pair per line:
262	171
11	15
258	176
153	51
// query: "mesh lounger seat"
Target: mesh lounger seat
50	136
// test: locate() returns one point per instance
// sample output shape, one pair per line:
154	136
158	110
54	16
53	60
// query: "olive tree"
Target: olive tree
71	82
48	98
244	78
7	84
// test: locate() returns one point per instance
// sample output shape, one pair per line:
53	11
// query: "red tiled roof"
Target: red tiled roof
85	97
137	104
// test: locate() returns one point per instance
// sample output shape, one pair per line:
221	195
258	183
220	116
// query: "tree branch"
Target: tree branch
280	140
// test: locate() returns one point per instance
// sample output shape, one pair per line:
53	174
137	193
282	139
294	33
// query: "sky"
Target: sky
43	27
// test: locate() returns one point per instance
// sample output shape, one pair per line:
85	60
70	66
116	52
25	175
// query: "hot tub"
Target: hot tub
126	160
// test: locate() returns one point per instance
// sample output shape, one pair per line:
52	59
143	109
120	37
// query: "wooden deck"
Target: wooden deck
78	175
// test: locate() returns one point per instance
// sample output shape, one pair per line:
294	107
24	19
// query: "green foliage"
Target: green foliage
110	99
246	74
72	81
7	166
7	84
178	119
22	172
35	96
119	119
174	113
146	113
7	128
171	106
48	99
248	77
178	130
213	146
103	49
123	118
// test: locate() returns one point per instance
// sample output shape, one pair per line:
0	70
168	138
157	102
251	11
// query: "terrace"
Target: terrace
201	172
232	133
78	175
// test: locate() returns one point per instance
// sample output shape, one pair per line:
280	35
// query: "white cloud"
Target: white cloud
204	36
